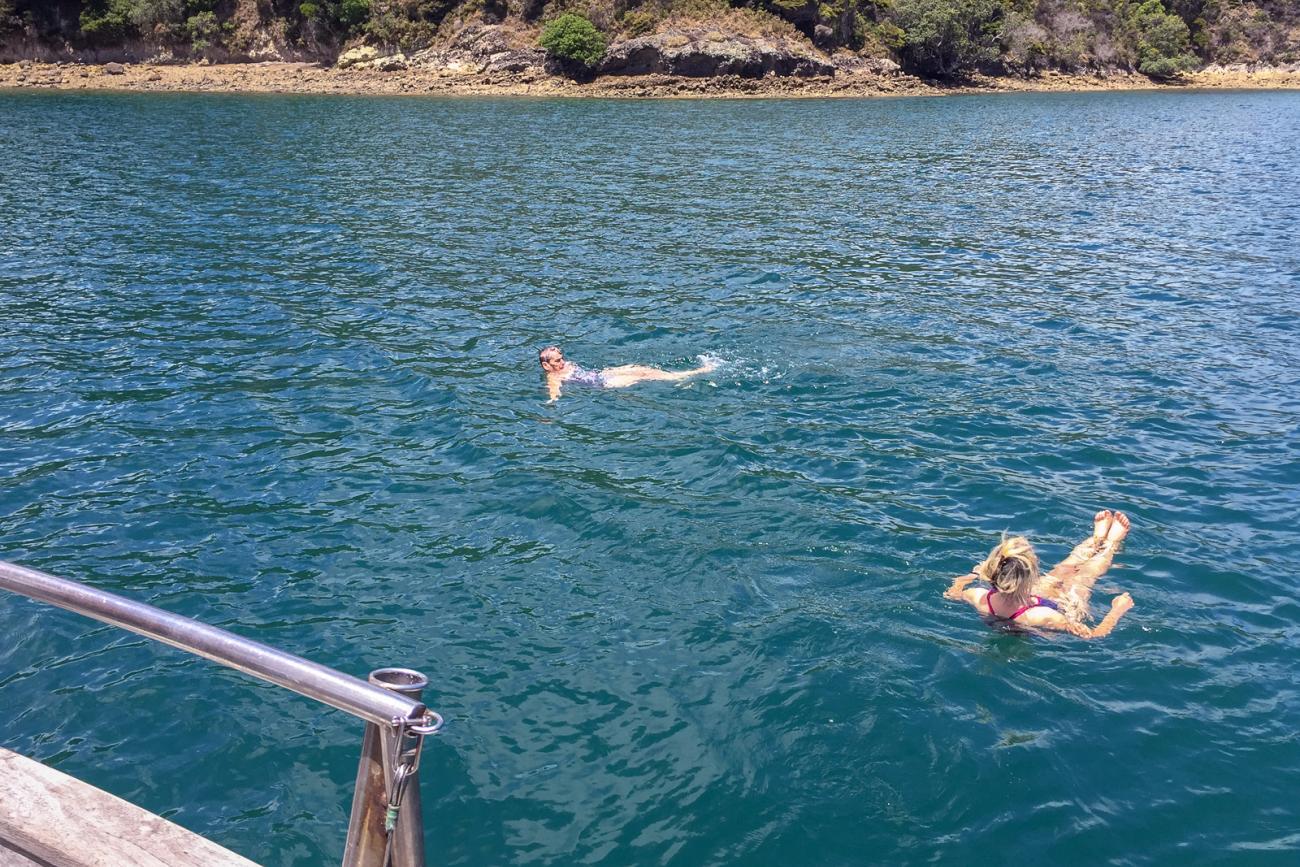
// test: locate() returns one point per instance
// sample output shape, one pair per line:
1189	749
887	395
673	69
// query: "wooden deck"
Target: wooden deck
52	820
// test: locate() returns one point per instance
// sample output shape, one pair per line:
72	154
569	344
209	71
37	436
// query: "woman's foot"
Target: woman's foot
708	363
1118	529
1101	526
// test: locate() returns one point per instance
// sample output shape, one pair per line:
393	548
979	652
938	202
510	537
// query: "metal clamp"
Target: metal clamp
407	758
431	726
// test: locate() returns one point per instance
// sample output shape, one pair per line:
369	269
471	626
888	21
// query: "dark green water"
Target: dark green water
271	362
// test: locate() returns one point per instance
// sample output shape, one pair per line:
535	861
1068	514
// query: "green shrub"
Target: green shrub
9	19
1199	35
107	21
202	29
353	13
638	22
1164	42
339	16
890	35
573	41
389	29
944	38
408	24
154	15
789	8
1026	44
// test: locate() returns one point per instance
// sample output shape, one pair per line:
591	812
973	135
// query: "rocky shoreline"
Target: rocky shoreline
443	80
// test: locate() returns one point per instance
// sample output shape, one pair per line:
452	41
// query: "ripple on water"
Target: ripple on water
284	381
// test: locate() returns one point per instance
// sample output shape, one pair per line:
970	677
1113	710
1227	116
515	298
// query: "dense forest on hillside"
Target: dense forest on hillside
932	38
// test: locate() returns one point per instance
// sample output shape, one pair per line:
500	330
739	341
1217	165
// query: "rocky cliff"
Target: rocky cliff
936	39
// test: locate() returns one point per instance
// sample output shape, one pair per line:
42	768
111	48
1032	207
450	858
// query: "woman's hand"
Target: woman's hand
958	584
1118	607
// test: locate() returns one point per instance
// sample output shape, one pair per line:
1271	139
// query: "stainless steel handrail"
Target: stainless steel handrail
391	712
343	691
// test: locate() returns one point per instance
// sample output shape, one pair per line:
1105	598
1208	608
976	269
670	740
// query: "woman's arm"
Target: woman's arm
957	592
954	592
1119	606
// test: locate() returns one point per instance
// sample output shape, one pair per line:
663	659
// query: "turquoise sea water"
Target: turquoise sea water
271	362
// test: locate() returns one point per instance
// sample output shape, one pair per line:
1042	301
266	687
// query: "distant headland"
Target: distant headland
656	48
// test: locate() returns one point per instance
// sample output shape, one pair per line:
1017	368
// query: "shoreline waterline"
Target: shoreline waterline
308	78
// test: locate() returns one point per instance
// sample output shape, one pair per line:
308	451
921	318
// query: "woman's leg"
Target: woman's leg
629	374
1070	582
1083	552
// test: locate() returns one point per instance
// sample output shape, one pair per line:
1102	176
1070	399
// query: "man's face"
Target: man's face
552	361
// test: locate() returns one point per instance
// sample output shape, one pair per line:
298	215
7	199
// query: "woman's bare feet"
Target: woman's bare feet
708	363
1101	526
1118	529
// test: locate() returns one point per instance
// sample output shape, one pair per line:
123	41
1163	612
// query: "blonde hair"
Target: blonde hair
1011	567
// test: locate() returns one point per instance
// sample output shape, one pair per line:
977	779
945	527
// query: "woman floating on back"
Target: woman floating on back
1057	600
558	372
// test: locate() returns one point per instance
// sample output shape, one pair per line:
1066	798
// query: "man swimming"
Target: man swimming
558	372
1019	596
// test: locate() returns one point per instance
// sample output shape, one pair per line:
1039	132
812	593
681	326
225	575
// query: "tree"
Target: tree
9	19
573	42
942	38
148	14
1164	42
108	21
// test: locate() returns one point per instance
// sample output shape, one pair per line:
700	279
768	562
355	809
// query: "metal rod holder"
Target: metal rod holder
369	843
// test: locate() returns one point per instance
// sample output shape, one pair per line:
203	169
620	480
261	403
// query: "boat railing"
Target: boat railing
386	827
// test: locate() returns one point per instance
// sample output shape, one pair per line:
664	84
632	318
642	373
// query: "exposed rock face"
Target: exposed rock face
489	47
482	48
114	69
697	56
15	47
362	54
1250	68
852	63
390	63
257	39
370	57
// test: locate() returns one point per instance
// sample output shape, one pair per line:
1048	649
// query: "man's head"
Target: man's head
552	359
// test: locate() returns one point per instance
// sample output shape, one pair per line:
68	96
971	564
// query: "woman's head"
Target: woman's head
552	359
1011	567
